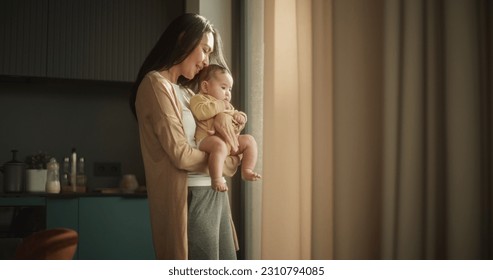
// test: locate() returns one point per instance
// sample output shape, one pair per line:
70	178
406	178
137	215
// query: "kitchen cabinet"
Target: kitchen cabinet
63	213
81	39
23	29
110	227
115	228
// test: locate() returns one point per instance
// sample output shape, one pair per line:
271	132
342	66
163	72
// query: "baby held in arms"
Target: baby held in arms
215	83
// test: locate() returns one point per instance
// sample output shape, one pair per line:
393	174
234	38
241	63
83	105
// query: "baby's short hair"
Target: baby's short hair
208	72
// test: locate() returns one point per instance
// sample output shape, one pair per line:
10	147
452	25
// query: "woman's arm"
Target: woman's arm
169	131
188	158
159	113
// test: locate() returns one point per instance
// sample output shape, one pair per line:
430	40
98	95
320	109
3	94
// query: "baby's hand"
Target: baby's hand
239	118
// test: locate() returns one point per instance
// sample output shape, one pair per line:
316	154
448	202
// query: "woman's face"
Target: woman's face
199	58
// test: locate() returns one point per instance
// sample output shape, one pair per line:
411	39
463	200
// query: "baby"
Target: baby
215	83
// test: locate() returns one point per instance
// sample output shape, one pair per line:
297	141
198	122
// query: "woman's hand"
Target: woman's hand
222	126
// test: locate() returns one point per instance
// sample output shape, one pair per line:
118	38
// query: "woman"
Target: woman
191	222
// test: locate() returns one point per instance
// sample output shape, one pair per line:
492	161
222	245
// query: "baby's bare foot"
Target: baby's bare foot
249	175
219	185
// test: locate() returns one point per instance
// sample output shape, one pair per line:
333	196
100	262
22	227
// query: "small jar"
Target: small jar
129	183
52	177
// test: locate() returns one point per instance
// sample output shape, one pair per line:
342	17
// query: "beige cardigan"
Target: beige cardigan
167	158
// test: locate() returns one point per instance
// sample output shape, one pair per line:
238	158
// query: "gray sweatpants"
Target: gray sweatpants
210	236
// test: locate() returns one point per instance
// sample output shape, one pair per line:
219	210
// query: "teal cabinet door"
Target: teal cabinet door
114	228
64	213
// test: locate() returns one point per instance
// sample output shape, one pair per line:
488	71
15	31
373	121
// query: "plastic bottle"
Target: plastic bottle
52	179
65	175
81	175
73	170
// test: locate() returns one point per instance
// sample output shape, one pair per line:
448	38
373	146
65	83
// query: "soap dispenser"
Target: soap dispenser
52	178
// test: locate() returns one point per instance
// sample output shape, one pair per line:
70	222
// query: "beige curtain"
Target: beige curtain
357	133
437	130
377	130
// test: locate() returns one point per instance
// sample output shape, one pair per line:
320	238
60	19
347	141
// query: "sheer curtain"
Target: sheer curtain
377	130
286	215
295	210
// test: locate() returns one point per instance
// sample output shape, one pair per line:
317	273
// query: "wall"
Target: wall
56	115
219	14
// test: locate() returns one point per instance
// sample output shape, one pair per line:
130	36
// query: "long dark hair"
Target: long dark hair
179	39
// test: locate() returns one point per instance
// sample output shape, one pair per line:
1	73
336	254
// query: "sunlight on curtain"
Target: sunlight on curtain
286	215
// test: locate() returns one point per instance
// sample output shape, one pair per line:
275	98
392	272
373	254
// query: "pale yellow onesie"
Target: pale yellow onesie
204	108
